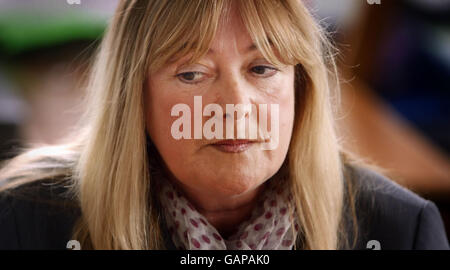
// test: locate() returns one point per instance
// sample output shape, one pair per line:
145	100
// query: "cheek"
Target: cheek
159	104
158	116
286	125
285	100
287	111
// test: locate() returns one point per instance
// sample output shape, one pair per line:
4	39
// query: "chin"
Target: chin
236	185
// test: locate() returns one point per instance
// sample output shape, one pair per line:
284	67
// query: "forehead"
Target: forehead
225	32
231	34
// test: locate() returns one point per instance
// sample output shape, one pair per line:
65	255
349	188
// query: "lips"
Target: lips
233	146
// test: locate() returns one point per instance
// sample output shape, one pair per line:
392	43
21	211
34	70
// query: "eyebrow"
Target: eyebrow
250	48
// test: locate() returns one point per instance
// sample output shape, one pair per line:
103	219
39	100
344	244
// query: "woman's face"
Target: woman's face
232	72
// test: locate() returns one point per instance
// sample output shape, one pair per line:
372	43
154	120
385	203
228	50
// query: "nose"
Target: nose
234	90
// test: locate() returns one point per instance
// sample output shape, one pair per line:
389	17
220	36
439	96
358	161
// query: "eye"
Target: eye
190	77
264	71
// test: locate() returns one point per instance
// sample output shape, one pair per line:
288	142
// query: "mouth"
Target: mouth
233	146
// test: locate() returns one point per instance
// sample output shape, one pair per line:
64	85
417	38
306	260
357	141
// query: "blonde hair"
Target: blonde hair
107	163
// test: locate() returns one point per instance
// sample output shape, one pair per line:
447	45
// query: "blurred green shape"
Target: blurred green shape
21	31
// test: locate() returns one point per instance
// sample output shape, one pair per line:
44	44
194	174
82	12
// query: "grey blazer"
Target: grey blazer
41	216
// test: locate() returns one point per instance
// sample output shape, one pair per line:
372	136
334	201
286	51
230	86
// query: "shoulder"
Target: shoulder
394	216
36	215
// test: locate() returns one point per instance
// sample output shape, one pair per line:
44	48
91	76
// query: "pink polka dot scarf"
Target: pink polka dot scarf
272	225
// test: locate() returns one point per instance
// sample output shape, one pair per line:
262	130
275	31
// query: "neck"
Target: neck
225	213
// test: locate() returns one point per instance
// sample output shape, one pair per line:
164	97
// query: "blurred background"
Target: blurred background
394	60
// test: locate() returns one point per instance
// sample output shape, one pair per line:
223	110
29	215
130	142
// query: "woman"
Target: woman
128	182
